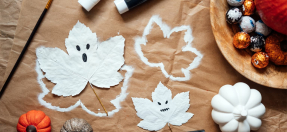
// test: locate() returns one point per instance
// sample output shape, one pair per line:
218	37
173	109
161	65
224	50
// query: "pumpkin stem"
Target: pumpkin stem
31	128
99	99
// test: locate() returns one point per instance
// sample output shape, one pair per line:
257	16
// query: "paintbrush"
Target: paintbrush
25	47
198	131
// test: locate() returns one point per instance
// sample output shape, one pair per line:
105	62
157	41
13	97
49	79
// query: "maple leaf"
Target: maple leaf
88	60
167	32
163	109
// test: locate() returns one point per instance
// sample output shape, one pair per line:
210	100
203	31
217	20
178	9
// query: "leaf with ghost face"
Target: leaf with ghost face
163	109
88	60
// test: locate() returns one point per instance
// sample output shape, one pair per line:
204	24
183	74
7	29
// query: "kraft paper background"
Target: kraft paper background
9	15
213	72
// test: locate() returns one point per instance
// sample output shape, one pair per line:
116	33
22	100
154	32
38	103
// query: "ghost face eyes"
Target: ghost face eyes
164	109
160	103
88	46
78	48
84	55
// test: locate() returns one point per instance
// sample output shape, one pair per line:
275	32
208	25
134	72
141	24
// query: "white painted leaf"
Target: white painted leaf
151	122
68	82
142	107
163	109
87	61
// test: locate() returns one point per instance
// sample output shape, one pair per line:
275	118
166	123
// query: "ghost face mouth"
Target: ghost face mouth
84	57
164	110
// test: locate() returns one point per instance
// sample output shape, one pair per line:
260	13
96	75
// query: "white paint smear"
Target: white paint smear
167	31
116	102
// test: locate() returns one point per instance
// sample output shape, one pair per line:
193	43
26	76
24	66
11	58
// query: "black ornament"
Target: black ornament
257	43
233	15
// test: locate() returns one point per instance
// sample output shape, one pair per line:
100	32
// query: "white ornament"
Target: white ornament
247	24
163	109
262	29
235	2
237	108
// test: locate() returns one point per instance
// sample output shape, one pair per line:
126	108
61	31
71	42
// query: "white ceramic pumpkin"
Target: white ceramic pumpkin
237	108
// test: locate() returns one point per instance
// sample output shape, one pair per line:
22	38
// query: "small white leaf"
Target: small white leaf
152	123
180	118
163	109
142	107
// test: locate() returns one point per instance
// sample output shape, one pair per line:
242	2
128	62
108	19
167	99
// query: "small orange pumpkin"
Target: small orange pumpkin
34	121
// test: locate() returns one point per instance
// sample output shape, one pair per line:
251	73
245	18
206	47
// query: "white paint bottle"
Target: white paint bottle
88	4
125	5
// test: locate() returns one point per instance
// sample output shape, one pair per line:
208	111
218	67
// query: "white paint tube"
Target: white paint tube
125	5
88	4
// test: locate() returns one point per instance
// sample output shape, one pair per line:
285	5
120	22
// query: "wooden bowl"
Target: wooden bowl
272	76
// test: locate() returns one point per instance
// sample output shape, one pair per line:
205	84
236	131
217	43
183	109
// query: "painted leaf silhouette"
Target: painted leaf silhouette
88	60
163	109
167	32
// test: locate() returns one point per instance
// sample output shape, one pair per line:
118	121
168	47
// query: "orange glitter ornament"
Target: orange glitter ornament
260	60
248	7
241	40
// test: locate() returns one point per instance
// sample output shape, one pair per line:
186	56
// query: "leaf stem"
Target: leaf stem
169	127
99	99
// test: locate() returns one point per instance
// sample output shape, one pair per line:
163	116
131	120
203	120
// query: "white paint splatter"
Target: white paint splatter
188	38
116	102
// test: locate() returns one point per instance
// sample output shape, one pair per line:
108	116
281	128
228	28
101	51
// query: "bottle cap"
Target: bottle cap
88	4
121	6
